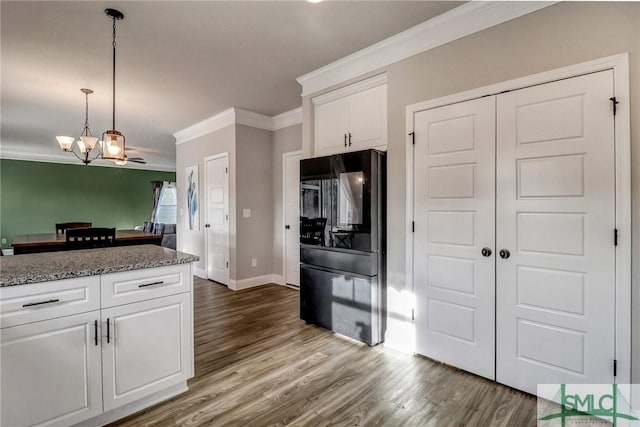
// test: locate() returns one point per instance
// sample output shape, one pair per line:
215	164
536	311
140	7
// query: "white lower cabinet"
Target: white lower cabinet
79	366
51	372
148	348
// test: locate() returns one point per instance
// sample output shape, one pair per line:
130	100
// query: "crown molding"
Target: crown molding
462	21
241	117
213	123
288	118
16	154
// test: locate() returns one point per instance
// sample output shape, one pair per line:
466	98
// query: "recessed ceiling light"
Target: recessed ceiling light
314	1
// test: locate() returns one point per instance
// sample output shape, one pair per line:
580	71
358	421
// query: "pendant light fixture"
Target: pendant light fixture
113	141
86	142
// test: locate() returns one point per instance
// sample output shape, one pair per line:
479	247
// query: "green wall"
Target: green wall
35	195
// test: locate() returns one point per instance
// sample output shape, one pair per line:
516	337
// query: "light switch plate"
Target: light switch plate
246	213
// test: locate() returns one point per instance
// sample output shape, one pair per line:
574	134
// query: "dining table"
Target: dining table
50	242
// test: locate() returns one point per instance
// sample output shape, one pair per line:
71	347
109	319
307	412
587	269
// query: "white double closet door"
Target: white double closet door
514	256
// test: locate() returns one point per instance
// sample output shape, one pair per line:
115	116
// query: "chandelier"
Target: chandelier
83	148
112	145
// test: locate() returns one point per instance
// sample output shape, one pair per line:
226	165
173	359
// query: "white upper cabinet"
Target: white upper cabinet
352	118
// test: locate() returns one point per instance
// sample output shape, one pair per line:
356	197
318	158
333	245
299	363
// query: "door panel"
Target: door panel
556	199
148	349
368	118
217	199
50	372
331	127
454	213
291	196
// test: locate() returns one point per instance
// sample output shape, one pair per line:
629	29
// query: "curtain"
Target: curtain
157	192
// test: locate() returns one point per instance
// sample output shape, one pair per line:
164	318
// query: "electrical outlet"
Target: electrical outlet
254	262
246	213
4	241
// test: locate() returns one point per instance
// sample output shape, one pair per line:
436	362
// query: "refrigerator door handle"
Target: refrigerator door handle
334	271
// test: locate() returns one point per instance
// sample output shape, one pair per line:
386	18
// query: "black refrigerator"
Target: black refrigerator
343	244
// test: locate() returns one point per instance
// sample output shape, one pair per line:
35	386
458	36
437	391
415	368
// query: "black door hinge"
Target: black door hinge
615	104
615	237
413	138
615	367
413	226
226	170
413	314
227	265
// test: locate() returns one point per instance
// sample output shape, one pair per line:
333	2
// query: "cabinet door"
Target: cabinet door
146	347
50	372
368	118
331	127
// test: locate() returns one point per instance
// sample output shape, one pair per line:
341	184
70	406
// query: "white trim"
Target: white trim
255	120
200	272
227	254
288	118
251	282
360	86
241	117
278	279
620	66
456	23
27	156
213	123
284	211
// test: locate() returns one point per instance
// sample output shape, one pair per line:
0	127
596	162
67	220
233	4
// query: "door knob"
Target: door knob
486	252
287	226
504	253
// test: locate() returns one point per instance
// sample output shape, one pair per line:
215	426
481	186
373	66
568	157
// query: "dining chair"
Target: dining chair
147	226
87	238
158	228
63	226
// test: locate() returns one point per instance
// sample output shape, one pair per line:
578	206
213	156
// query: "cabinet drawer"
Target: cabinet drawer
41	301
139	285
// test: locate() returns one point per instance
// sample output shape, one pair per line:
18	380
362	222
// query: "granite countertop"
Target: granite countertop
47	266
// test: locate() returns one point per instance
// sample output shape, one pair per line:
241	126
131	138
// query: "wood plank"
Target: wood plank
258	364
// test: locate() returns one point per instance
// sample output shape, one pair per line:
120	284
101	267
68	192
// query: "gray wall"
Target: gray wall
284	140
191	153
254	191
557	36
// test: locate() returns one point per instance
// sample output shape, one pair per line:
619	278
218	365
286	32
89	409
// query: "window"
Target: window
168	204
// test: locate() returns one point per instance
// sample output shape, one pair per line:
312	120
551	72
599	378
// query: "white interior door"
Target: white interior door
556	216
454	212
217	217
291	201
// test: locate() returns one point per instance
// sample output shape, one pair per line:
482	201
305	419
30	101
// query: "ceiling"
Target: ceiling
178	63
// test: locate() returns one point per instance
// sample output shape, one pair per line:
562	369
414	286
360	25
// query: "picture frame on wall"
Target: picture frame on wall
193	200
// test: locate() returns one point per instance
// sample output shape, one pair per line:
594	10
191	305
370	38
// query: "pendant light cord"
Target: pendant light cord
86	115
114	75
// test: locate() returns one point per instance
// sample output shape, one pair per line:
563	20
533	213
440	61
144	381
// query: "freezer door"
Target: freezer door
343	302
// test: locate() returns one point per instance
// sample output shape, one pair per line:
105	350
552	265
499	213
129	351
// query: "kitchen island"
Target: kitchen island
90	336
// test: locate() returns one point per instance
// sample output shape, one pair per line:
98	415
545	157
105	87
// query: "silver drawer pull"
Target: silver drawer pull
161	282
31	304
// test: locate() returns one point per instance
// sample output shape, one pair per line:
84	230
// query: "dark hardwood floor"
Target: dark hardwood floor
257	364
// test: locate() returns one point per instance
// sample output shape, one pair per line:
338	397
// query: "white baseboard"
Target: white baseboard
200	272
278	279
252	282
